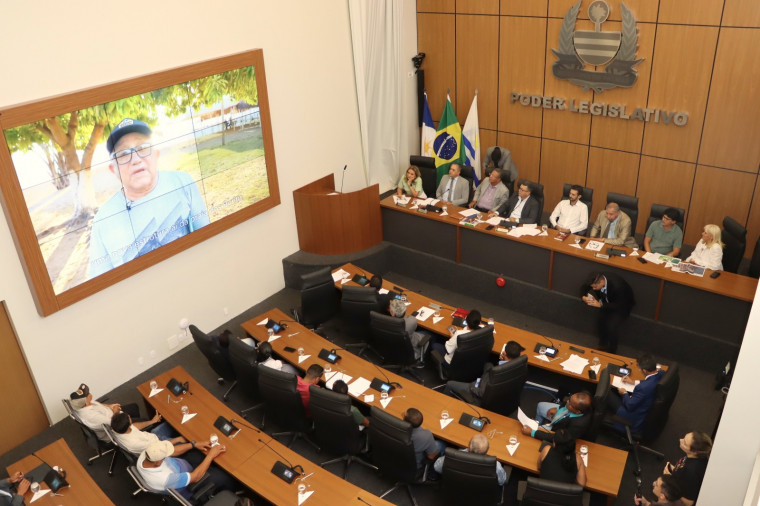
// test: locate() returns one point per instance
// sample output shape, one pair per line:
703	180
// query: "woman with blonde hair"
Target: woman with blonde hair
411	183
709	250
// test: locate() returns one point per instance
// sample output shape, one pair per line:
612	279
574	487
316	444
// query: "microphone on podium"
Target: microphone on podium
343	178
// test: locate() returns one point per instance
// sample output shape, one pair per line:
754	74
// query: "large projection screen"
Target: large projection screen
102	183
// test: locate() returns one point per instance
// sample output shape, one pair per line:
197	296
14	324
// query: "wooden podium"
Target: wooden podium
331	223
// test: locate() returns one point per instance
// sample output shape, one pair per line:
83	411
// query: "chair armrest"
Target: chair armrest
438	360
522	486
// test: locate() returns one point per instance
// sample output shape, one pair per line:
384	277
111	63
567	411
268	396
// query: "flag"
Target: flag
427	136
471	139
448	141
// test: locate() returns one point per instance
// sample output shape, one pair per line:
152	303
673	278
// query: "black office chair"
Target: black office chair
319	298
473	351
356	302
283	404
754	265
223	498
392	450
468	172
335	428
540	492
659	209
426	164
216	359
102	447
587	197
629	205
470	478
130	457
735	238
599	405
243	360
391	342
505	382
537	192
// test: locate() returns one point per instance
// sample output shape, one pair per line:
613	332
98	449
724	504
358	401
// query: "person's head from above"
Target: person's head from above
597	281
133	157
647	364
313	373
579	402
376	282
340	387
473	319
666	488
524	190
397	308
478	444
264	351
612	211
496	155
81	397
413	416
157	451
513	350
454	170
670	217
575	193
413	172
494	177
564	442
711	235
120	422
696	445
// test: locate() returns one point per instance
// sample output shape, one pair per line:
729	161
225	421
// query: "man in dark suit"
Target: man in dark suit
12	490
521	207
635	406
574	417
614	298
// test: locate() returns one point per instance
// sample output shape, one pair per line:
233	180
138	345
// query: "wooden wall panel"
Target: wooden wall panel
526	153
487	139
732	124
477	67
718	193
435	6
617	133
531	8
564	125
680	81
521	57
561	162
478	7
753	223
663	182
741	13
643	10
435	40
610	171
691	12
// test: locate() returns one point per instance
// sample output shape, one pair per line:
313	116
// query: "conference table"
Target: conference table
82	489
606	465
251	453
679	299
503	333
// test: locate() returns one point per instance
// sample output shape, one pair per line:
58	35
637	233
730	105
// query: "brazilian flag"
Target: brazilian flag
447	146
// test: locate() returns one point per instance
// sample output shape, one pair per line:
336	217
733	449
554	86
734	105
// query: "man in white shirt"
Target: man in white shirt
454	188
94	414
135	439
571	216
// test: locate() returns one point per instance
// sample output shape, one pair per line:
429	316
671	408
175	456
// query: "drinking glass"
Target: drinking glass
577	240
185	410
584	450
544	228
153	385
34	487
270	332
490	321
213	439
300	351
542	350
301	488
383	395
480	216
437	313
446	209
444	415
404	298
512	440
595	361
327	369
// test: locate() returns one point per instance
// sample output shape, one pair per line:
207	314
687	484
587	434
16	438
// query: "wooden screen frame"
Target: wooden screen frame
15	207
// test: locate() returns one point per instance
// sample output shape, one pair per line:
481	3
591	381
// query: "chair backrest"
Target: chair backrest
213	353
599	405
334	424
319	297
468	172
357	301
138	479
426	164
629	205
469	478
659	209
390	340
131	457
735	238
754	265
541	492
243	360
282	401
665	394
473	351
537	192
179	498
392	450
505	383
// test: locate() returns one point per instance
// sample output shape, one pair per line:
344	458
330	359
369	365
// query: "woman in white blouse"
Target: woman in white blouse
709	250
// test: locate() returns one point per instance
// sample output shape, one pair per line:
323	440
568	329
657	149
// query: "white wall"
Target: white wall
57	47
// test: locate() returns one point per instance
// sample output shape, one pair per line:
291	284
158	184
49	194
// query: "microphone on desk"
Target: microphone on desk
387	379
343	178
235	420
362	500
280	469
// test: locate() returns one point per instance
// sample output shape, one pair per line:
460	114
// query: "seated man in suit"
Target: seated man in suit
500	158
613	296
571	216
312	377
12	490
491	195
613	227
426	448
94	414
472	392
521	207
453	187
478	444
634	406
574	417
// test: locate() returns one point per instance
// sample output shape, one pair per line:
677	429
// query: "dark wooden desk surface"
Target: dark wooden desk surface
247	457
83	489
606	464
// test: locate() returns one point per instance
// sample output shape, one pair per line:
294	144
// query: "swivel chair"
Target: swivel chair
319	298
244	364
391	342
735	238
470	478
505	382
473	351
216	359
283	404
540	492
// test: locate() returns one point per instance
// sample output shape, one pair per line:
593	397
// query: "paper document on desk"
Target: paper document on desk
617	382
595	245
523	418
400	201
338	275
424	313
468	212
335	376
574	364
495	221
653	257
359	386
521	231
423	202
382	291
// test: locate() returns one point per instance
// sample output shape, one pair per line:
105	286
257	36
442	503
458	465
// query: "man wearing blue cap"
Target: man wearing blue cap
153	207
